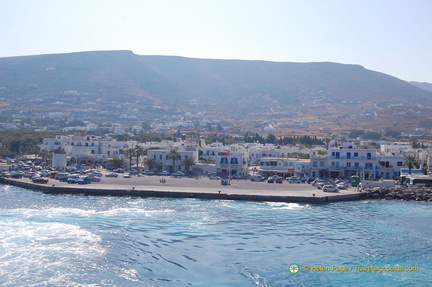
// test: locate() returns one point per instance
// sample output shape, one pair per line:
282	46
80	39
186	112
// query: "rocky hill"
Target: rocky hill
290	98
115	74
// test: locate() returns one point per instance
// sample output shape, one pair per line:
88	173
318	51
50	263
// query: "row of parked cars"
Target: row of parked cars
276	179
329	185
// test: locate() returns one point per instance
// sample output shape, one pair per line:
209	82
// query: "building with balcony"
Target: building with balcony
345	162
231	163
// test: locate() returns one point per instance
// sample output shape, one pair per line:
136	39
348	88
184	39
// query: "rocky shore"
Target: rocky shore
400	193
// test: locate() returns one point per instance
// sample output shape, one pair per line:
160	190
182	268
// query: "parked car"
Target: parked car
95	178
178	173
84	180
39	180
127	175
73	178
275	179
148	172
213	176
112	174
62	176
16	175
294	179
164	173
257	177
330	188
225	181
342	185
28	174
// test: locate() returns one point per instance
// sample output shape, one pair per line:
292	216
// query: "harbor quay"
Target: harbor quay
203	187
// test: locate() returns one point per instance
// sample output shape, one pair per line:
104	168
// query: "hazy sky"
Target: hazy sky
389	36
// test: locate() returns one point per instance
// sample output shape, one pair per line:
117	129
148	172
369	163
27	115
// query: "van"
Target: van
257	177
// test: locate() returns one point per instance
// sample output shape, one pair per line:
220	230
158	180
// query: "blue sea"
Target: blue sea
69	240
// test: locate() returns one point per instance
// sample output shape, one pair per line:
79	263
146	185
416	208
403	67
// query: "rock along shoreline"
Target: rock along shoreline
404	193
148	192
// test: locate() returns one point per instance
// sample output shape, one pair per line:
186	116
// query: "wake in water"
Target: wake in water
117	241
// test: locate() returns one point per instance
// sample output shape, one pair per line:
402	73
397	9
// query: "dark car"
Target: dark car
16	175
275	179
39	180
84	180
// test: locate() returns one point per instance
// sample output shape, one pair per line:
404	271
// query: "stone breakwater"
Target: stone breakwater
400	193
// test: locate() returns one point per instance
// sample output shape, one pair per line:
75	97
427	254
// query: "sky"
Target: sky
388	36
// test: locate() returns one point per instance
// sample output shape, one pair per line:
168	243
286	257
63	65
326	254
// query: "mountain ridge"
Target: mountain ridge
317	98
111	73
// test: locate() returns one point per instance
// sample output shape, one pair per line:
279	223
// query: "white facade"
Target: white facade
284	167
162	157
87	148
231	163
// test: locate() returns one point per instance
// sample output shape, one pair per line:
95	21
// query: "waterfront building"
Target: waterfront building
167	163
231	163
284	167
345	162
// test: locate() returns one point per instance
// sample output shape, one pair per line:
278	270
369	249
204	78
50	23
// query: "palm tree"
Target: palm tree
174	155
130	152
188	162
139	151
115	163
410	161
150	163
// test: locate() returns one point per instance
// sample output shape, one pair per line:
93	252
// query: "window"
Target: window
356	164
399	163
160	157
348	154
356	154
321	164
348	164
315	164
369	155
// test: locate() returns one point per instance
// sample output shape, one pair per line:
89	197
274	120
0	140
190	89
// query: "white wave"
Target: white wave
285	205
41	250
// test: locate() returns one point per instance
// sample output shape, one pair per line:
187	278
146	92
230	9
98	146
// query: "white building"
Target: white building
231	163
284	167
167	164
345	162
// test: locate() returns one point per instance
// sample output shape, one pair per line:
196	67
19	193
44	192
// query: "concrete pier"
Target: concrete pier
203	188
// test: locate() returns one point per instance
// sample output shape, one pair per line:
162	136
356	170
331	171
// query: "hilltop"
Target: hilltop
281	92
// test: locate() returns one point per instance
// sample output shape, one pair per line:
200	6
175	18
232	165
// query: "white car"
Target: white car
341	185
330	188
294	180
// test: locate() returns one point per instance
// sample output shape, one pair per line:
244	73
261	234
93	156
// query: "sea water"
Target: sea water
67	240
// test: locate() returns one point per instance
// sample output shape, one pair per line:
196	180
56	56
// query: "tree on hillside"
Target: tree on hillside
174	155
410	161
